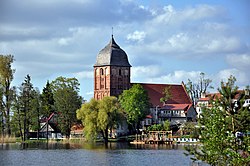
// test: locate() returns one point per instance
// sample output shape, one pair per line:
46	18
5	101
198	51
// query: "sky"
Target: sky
166	41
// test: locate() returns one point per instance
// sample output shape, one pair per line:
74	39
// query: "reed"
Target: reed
7	139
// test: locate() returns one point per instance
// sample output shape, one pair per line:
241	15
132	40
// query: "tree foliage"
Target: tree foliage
220	146
189	128
98	116
26	109
88	114
167	94
135	103
67	101
47	100
25	101
6	77
160	127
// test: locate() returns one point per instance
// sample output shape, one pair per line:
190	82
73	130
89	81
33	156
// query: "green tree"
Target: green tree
220	146
6	77
109	115
189	128
36	110
167	94
67	101
47	103
24	109
160	127
88	114
26	90
100	116
166	125
47	100
1	112
17	119
135	103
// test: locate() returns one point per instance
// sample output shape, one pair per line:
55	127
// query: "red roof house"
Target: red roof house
178	109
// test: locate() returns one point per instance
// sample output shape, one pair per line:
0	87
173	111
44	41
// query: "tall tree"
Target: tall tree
135	103
47	100
6	77
220	145
26	91
47	104
67	101
109	114
17	118
36	110
196	89
98	116
88	114
1	112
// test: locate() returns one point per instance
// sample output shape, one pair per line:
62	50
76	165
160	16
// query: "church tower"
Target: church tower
111	71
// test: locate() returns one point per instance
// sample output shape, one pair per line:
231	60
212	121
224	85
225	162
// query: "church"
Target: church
112	72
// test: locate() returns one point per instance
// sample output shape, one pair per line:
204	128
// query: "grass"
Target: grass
7	139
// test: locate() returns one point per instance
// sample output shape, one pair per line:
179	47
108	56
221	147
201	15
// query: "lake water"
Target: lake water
116	154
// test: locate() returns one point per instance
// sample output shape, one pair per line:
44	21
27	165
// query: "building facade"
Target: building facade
111	71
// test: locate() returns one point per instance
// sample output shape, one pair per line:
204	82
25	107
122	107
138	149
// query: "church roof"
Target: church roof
112	55
178	94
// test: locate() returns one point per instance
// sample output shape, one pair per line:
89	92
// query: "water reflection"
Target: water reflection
88	146
64	153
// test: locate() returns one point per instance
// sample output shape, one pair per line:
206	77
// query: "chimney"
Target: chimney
246	92
203	95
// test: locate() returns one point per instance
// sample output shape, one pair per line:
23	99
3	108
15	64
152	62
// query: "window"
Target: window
120	87
102	72
120	72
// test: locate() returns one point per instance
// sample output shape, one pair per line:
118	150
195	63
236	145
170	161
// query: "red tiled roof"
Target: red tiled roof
204	99
178	94
47	119
176	107
149	117
214	96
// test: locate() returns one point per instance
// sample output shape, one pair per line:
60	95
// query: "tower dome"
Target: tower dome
112	55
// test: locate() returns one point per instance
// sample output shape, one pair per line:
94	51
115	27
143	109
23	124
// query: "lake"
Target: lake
121	154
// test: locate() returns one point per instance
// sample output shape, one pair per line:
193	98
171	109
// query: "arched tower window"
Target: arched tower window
102	71
120	72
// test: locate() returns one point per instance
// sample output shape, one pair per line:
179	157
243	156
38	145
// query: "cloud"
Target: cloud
143	72
194	32
176	77
136	36
242	78
84	74
239	61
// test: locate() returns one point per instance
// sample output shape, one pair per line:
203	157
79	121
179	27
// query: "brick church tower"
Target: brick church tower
111	71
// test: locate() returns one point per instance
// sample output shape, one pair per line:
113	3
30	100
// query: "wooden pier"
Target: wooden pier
154	137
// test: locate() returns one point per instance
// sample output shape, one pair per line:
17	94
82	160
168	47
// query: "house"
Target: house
206	100
50	125
76	130
120	129
177	109
202	102
148	121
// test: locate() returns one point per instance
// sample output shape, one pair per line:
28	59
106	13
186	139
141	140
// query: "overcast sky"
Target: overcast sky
166	41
